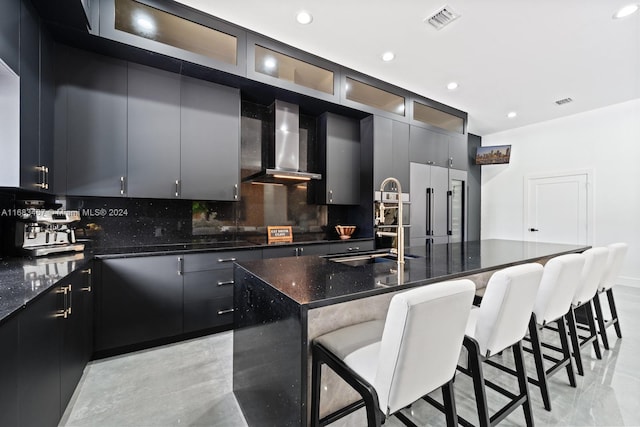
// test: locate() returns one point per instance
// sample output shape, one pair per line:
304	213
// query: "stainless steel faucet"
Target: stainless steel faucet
393	204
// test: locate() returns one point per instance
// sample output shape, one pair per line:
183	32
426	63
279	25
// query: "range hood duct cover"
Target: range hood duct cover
281	150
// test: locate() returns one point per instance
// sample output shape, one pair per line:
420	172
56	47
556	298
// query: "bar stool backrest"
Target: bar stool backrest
421	341
595	260
506	306
617	252
557	287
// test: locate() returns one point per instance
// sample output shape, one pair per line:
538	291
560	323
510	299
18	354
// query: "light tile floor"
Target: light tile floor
190	384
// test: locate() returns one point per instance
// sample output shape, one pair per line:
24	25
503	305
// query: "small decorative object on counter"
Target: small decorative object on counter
345	231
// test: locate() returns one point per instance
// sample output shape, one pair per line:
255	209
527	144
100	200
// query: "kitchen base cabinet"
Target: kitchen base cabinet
77	333
39	366
208	297
139	300
55	345
208	288
8	374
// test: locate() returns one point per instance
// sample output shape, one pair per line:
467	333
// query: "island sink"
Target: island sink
364	259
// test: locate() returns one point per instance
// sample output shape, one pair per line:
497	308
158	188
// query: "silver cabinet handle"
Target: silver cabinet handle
450	162
226	259
177	188
330	196
235	191
230	310
357	248
64	290
180	266
70	300
43	178
122	185
88	272
225	282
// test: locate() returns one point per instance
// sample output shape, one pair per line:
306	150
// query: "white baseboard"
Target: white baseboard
633	282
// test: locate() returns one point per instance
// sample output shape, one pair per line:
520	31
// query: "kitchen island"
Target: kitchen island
282	304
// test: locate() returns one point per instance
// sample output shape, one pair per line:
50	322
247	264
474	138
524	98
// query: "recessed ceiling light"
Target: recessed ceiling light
304	17
625	11
452	86
512	114
388	56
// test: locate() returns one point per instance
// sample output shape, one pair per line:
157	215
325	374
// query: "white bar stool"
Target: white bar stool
394	363
553	304
617	252
499	323
595	260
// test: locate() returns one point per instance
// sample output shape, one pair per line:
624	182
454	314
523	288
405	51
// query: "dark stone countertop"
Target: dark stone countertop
22	279
313	281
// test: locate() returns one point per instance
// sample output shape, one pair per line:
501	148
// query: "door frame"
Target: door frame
590	198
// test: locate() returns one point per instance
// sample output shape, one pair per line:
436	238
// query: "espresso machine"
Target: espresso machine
41	232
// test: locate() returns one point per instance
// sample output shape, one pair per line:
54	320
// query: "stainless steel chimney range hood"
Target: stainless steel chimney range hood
281	149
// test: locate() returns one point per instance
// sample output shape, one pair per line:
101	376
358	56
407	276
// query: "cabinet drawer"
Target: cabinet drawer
341	247
290	250
206	313
217	260
208	284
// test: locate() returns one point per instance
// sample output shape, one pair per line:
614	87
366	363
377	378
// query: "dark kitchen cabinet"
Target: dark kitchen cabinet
458	152
389	141
40	353
94	132
153	132
9	357
210	141
428	147
77	333
36	102
10	33
208	288
340	160
182	32
139	300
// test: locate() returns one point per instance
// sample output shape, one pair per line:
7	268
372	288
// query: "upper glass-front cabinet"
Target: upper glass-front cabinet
359	92
434	117
171	29
289	68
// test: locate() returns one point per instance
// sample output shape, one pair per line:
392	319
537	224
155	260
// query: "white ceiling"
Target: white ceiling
506	55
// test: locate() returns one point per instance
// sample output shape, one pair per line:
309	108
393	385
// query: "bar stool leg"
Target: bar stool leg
614	312
601	324
539	361
449	404
522	382
564	341
575	343
475	366
593	332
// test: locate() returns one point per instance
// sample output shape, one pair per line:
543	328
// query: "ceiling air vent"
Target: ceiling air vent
443	17
564	101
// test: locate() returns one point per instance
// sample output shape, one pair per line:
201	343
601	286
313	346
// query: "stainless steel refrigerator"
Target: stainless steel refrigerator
438	204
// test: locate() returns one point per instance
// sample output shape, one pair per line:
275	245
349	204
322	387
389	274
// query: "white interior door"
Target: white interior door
557	209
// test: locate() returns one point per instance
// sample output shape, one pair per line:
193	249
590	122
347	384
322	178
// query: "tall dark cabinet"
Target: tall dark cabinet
94	123
153	129
339	160
210	141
